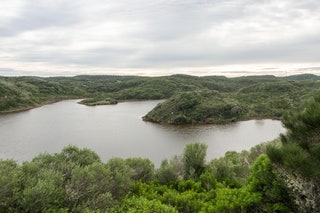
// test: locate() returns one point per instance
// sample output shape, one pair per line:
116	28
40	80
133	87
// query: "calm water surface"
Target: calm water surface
118	131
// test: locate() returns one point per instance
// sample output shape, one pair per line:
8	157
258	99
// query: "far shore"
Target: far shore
20	109
218	122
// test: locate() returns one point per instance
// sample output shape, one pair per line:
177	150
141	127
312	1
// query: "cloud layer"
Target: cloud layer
69	37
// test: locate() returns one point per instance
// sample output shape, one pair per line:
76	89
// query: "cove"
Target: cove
118	131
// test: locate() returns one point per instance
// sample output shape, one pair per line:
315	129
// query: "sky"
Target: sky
159	37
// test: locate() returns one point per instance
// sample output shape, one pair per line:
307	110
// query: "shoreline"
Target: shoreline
21	109
220	122
30	107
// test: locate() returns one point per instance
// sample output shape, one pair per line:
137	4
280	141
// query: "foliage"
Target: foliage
234	200
297	159
141	204
10	183
201	106
75	180
166	173
231	169
142	169
300	150
256	100
194	160
43	192
121	181
98	101
264	181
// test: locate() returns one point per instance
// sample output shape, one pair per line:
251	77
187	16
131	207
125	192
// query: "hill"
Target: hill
267	99
190	99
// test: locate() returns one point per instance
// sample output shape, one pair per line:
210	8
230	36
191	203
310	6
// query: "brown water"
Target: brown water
118	131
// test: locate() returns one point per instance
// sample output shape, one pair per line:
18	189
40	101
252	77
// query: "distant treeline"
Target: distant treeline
191	99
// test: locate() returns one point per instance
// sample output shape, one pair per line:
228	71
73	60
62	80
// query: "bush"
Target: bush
194	156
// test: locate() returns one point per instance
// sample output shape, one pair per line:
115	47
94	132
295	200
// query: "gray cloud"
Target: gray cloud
6	71
159	34
104	56
37	14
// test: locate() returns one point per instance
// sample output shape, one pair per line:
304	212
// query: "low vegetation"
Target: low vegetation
98	101
190	99
260	100
298	158
76	180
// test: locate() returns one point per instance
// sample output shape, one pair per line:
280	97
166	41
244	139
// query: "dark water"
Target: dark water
118	131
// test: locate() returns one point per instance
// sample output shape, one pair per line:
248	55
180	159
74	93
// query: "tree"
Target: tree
120	178
166	173
300	150
141	204
142	169
208	182
80	157
194	160
232	168
298	158
234	200
10	185
264	181
72	157
90	187
43	192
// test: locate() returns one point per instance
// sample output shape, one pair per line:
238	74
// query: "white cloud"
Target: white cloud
160	36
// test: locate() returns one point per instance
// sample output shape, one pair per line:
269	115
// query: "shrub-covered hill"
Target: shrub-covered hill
260	100
27	92
261	96
201	106
17	93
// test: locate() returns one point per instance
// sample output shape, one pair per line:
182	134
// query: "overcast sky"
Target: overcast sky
159	37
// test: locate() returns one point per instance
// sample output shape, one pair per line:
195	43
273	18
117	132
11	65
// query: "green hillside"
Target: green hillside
258	100
190	99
